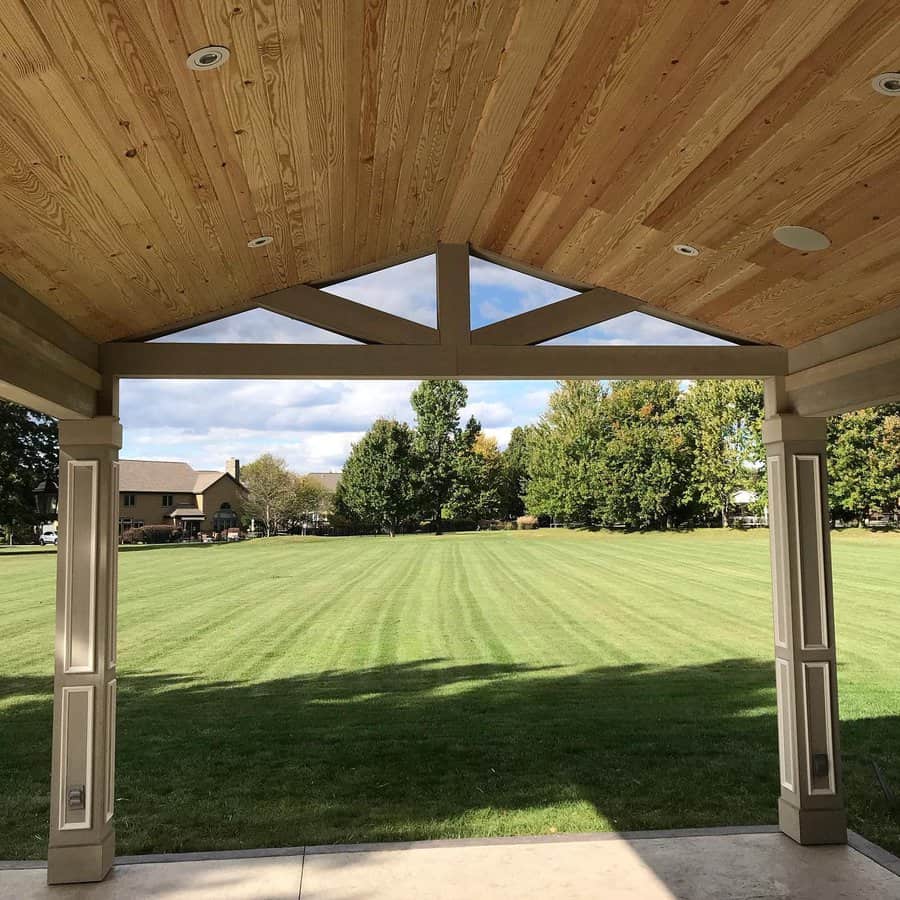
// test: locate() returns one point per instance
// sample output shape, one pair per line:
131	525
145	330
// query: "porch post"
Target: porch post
811	806
82	837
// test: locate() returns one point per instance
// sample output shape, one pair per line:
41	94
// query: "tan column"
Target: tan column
811	807
82	838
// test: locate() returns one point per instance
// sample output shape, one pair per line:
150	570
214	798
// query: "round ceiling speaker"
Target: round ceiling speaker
685	250
799	238
208	58
261	241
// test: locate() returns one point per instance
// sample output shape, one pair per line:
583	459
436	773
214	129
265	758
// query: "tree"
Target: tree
724	422
376	487
515	473
437	443
647	458
864	461
309	498
478	492
271	491
29	454
565	461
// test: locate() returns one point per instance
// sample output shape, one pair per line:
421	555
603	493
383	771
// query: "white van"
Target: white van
48	535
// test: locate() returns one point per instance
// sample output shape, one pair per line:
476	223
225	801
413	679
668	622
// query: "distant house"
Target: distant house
174	493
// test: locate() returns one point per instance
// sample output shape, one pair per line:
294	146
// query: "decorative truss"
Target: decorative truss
395	347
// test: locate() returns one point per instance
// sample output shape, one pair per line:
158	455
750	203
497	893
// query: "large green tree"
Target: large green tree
376	487
723	421
29	454
479	489
439	440
647	457
565	458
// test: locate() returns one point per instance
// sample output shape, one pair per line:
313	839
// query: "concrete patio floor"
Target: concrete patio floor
722	864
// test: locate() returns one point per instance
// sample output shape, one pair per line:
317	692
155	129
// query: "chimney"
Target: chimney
233	468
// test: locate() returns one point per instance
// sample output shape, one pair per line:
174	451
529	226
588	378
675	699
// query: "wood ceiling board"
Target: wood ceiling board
581	137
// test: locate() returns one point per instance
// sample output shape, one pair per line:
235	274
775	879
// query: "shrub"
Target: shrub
151	534
526	523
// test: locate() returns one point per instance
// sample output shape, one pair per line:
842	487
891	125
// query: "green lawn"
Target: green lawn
356	689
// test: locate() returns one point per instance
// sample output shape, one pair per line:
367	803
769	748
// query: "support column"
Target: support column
82	837
811	806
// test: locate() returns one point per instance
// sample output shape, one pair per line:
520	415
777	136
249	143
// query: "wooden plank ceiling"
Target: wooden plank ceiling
582	137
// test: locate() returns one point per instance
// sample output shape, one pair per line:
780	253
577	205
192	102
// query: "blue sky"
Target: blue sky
312	424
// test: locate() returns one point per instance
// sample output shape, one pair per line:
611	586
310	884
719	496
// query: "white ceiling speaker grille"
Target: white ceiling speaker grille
208	58
799	238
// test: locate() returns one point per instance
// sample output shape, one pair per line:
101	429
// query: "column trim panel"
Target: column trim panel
820	550
71	468
826	701
113	575
786	738
778	560
87	824
110	792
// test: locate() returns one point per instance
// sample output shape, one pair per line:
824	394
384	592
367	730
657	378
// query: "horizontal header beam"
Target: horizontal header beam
290	361
45	363
27	379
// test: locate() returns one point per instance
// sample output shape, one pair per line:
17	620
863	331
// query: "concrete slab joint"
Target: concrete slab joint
811	807
82	836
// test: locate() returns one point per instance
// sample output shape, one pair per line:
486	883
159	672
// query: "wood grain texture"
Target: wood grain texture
581	138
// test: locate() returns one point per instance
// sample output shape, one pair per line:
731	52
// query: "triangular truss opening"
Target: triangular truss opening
499	292
637	329
256	326
406	289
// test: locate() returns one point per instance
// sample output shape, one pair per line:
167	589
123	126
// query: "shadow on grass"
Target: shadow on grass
429	749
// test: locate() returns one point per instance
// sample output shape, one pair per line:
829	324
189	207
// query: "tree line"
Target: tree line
636	454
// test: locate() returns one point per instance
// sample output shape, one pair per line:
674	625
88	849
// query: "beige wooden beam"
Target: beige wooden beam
611	362
45	363
453	299
28	379
862	335
181	360
556	319
345	317
21	312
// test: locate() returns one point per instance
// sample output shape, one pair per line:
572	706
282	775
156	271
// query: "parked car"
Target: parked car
48	536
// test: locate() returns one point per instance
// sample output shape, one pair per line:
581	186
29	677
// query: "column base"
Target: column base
80	863
812	826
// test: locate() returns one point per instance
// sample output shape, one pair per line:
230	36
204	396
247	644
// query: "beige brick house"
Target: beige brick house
174	493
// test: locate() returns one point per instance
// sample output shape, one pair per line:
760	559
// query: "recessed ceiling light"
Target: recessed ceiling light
208	58
261	241
685	249
799	238
887	83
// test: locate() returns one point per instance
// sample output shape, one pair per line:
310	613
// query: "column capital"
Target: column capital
788	427
101	430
